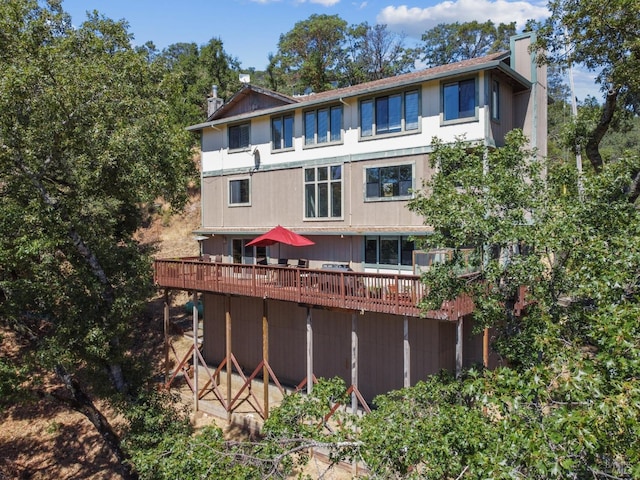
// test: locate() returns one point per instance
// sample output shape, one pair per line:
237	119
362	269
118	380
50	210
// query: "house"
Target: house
339	168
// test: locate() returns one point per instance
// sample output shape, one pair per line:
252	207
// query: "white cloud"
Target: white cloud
325	3
414	21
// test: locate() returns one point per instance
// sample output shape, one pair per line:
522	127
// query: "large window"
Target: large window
323	192
388	250
282	132
323	125
239	192
239	136
459	99
389	182
390	114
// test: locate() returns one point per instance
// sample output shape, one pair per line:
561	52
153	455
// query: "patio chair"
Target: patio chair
303	263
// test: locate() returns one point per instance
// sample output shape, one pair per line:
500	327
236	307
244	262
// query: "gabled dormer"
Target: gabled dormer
250	99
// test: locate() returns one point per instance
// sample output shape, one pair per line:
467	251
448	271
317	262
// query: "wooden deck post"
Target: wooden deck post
195	350
459	340
354	362
265	357
309	352
228	352
485	348
166	335
406	353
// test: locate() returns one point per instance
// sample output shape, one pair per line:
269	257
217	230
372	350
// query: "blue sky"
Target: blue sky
250	29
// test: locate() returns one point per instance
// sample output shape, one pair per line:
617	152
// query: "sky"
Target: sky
250	29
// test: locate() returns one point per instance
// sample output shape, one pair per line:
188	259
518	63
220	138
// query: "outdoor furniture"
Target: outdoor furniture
303	263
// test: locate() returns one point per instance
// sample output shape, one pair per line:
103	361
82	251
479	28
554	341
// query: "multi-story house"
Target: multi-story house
339	168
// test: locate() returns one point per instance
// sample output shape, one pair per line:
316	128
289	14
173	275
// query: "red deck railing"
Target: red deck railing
366	292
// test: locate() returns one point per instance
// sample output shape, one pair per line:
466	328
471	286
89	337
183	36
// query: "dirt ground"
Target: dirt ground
42	440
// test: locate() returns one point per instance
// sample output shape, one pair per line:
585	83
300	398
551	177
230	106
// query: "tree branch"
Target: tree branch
81	402
592	148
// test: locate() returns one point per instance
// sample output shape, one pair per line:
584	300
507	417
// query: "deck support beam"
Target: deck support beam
265	357
485	348
227	308
406	348
166	335
459	341
354	362
194	299
309	352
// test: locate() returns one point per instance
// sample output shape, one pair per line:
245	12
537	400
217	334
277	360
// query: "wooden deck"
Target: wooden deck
365	292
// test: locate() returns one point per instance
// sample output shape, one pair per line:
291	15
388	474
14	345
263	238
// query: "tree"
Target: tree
603	38
193	71
453	42
565	406
374	53
84	145
310	54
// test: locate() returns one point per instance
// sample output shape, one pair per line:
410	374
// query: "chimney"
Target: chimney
213	102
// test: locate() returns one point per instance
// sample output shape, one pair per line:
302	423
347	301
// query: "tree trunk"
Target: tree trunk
592	148
80	402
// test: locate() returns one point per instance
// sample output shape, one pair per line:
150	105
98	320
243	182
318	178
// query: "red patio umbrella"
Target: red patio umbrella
280	234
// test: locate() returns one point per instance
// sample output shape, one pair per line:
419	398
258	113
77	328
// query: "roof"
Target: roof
323	230
496	60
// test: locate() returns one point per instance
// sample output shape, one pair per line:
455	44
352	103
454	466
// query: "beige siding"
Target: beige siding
500	127
277	197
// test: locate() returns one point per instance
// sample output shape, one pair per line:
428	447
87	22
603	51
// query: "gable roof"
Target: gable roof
498	60
246	91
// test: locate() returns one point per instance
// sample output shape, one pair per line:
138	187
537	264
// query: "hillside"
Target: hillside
42	440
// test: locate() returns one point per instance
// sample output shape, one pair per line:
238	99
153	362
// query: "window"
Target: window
495	100
459	100
239	192
282	132
390	114
323	125
239	136
323	192
385	182
388	250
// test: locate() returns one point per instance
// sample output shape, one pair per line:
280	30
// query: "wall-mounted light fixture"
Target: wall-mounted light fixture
256	158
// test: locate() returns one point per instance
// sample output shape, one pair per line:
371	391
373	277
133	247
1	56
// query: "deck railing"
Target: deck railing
365	292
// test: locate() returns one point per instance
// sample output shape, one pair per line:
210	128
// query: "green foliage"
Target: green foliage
373	52
11	378
603	38
85	144
189	73
567	405
453	42
322	53
309	54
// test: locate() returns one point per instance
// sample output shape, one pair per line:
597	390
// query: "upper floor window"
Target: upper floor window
282	132
388	182
239	136
239	192
459	99
323	125
390	114
495	100
323	192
